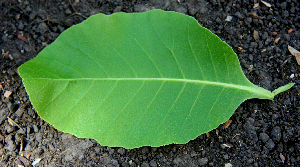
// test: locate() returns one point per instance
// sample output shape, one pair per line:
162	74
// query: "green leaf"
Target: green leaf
142	79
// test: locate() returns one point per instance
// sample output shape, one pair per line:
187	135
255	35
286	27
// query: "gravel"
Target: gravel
260	131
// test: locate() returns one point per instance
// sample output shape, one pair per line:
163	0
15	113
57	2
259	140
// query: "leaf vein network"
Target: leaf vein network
171	50
129	101
194	54
147	107
171	107
211	59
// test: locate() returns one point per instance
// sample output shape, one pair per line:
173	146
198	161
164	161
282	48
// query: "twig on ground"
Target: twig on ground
76	13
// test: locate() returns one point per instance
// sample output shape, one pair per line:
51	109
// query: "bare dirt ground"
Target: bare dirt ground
262	132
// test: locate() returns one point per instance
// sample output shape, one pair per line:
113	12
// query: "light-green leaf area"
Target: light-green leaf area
138	79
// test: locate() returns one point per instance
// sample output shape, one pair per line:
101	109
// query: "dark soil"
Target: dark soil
262	132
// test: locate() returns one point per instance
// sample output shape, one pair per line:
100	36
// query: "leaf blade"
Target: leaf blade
141	83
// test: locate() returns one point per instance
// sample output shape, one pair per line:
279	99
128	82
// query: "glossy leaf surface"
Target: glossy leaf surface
142	79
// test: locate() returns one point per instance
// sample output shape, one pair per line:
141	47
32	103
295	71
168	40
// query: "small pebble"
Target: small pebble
35	128
228	18
68	12
248	20
42	28
239	15
228	165
38	137
263	137
218	20
203	161
117	9
10	129
28	9
145	164
270	144
11	146
21	25
153	163
276	133
121	151
32	15
253	44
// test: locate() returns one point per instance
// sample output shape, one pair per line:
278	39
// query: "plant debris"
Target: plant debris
276	40
226	145
20	36
5	54
19	163
226	124
256	6
7	93
255	35
266	3
13	123
295	53
282	157
36	161
254	14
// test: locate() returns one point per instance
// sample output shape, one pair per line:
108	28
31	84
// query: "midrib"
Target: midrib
262	93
